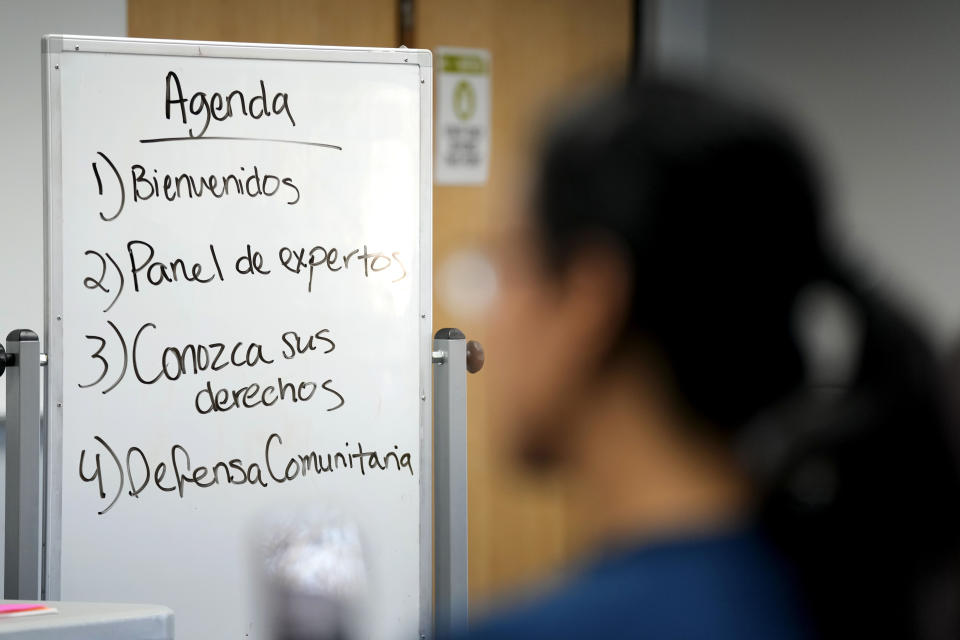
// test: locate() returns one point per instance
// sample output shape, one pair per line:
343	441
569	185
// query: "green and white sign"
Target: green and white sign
463	115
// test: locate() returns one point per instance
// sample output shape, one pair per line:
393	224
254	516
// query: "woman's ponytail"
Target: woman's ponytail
864	494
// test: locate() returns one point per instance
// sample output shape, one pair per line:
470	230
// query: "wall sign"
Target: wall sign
463	116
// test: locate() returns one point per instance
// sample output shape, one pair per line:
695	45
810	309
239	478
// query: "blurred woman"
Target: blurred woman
649	337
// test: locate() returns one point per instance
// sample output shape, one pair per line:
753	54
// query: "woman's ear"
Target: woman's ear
597	291
555	327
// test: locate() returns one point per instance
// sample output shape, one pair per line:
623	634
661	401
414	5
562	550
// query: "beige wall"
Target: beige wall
22	23
873	85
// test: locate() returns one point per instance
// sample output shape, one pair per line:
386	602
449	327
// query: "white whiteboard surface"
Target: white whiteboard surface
361	188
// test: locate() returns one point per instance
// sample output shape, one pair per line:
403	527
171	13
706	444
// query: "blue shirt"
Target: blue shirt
722	587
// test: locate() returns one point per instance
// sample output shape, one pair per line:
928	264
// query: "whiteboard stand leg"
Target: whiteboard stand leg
450	479
24	488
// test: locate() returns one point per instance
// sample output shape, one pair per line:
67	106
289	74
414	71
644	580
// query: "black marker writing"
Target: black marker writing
172	362
331	260
210	400
277	467
146	185
143	267
218	107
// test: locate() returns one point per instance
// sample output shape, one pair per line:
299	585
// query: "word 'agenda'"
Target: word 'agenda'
218	107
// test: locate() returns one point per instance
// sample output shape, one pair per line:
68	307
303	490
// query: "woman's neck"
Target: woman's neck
642	473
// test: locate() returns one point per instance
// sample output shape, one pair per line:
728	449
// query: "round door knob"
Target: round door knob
9	359
475	357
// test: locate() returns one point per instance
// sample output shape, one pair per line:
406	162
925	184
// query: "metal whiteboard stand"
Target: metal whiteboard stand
450	358
23	554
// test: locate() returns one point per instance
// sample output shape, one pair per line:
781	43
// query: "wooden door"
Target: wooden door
347	23
541	51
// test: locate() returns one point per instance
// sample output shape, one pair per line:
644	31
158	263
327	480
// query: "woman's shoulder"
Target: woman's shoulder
730	585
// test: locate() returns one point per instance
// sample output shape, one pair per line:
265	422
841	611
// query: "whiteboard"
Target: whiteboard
238	272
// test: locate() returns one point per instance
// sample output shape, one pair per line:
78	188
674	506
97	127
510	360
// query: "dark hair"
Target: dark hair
718	209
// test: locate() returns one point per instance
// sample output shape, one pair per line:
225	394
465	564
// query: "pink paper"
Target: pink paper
18	607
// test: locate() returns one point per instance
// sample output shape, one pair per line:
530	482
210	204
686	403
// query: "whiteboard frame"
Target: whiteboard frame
53	48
